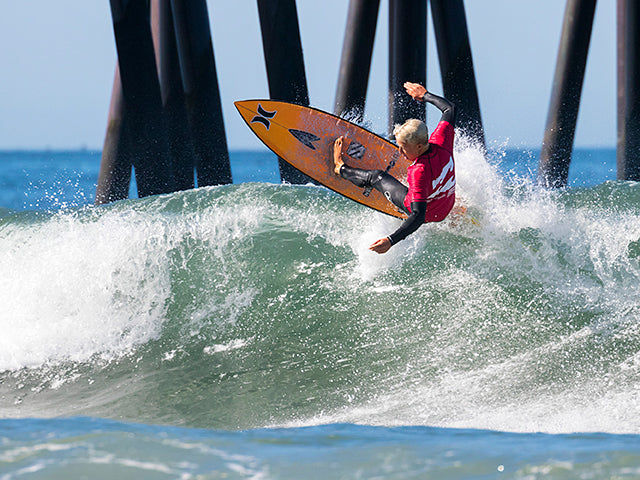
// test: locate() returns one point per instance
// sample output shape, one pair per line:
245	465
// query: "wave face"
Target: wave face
258	305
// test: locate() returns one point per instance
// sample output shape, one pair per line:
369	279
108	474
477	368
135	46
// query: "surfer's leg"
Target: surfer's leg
360	177
392	189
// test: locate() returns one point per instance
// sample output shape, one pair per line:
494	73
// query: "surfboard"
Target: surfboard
304	137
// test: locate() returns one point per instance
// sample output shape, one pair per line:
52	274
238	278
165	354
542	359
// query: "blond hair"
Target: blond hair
413	131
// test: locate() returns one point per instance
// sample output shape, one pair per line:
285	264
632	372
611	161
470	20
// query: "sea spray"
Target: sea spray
76	286
257	305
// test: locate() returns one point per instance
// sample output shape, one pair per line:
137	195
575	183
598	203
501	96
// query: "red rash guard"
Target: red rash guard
431	177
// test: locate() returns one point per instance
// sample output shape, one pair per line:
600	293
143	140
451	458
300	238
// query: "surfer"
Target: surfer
431	177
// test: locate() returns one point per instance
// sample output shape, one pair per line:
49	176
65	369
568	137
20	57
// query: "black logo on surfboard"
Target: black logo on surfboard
264	117
305	138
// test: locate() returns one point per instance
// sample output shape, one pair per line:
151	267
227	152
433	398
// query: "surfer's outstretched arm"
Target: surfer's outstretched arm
418	92
410	225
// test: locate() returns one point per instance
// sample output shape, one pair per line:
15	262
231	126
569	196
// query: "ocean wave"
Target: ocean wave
257	304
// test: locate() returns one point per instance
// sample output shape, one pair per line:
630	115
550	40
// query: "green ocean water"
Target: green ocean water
245	331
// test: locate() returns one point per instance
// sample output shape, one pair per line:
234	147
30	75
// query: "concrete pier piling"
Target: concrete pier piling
355	63
456	65
628	147
557	146
407	57
114	178
142	100
173	99
200	81
284	62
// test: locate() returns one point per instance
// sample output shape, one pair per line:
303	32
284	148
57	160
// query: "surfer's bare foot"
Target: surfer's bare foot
337	154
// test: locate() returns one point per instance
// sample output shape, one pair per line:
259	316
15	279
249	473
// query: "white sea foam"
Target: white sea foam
525	319
79	287
576	257
98	282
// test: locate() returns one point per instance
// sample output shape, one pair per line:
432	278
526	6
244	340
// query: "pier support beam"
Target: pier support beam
114	178
355	63
173	98
284	62
146	131
456	65
628	148
557	146
200	81
407	57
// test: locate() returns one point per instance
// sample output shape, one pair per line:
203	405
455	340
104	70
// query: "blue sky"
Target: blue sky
58	62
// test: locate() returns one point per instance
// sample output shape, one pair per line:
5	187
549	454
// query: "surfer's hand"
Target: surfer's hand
416	90
381	246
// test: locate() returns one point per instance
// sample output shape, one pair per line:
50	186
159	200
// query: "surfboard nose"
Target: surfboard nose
246	108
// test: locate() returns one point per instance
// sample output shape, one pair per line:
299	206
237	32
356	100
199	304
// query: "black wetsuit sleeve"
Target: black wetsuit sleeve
411	223
447	108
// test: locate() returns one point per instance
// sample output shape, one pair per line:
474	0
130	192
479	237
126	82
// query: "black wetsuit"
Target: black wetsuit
393	189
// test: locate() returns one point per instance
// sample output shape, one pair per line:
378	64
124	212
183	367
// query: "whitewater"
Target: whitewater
240	317
259	304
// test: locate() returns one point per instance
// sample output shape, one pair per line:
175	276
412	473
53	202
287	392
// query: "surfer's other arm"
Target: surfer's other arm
419	93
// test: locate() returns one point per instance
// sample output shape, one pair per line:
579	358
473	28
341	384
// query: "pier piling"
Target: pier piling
456	65
628	148
172	91
355	63
407	57
114	178
557	146
141	92
285	64
200	81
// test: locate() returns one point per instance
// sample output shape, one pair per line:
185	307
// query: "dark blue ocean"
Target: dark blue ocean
245	331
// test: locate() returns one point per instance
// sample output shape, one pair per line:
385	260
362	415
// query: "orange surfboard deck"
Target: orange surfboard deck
304	137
